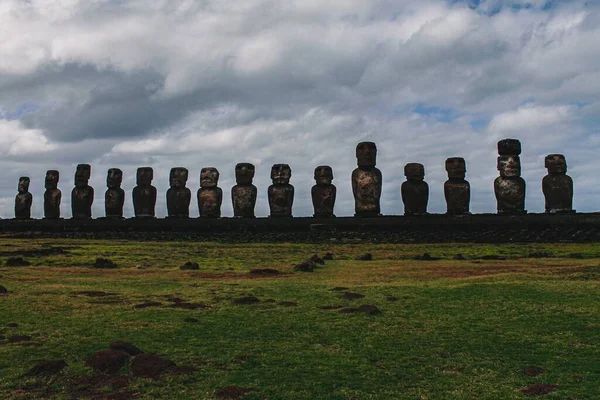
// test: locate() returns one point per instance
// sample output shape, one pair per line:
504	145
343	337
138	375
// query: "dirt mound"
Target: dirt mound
3	290
19	338
148	304
246	300
533	371
306	266
538	389
264	271
104	263
352	296
151	366
47	368
17	262
128	348
365	257
365	308
233	392
107	361
190	266
189	306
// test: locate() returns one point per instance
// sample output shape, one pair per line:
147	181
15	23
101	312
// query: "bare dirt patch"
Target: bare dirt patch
148	304
365	308
538	389
107	361
47	368
246	300
233	392
151	366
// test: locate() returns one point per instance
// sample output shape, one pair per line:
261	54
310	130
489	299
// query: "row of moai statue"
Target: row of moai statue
509	189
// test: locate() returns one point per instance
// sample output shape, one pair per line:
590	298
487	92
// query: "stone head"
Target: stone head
281	174
507	147
323	175
178	177
456	167
366	154
51	181
82	175
556	164
244	173
114	177
509	166
144	176
414	172
23	184
209	177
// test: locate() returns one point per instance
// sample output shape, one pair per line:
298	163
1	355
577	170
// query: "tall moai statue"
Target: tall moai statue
144	194
281	193
114	198
415	191
366	181
52	195
178	196
457	190
23	200
323	193
557	186
243	195
509	187
210	196
82	196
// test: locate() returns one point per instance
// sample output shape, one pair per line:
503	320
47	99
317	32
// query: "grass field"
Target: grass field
476	328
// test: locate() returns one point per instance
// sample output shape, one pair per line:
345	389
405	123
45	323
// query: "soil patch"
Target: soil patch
151	366
307	266
107	361
533	371
538	389
352	296
365	308
104	263
316	259
128	348
19	338
17	262
47	368
189	306
264	271
190	266
148	304
233	392
246	300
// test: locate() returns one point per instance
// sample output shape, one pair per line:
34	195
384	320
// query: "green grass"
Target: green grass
458	330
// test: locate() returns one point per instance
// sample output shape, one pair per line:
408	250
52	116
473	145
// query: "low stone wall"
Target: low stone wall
481	228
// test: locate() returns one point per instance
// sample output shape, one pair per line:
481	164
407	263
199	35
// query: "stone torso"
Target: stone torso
52	199
23	203
244	200
458	196
209	202
144	201
415	196
281	199
558	192
323	199
366	185
178	202
81	202
114	199
510	195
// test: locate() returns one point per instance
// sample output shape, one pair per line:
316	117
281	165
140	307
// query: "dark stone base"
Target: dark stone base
509	213
367	214
324	215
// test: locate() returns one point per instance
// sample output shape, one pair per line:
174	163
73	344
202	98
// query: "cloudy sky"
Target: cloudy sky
165	83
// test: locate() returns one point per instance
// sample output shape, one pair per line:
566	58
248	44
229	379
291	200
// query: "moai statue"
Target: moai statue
557	186
456	189
243	195
52	195
415	191
323	193
144	194
178	196
82	195
210	196
23	200
366	181
114	198
509	187
281	193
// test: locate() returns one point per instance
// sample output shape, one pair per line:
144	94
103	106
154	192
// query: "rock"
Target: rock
107	361
307	266
104	263
246	300
17	262
233	392
128	348
47	368
328	256
150	366
3	290
190	266
316	259
365	257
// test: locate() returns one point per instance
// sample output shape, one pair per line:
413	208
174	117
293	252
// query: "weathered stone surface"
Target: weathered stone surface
243	195
557	185
509	187
52	195
281	193
114	198
210	196
178	196
144	194
366	181
415	191
323	193
82	196
23	200
457	190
